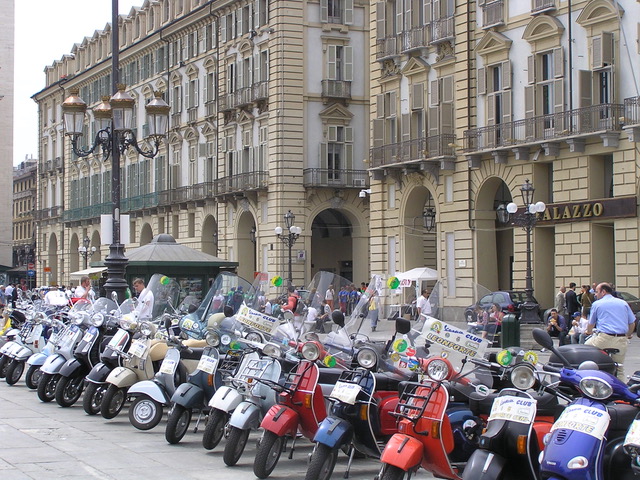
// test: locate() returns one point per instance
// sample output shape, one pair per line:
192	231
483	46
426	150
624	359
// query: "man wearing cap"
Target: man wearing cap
613	322
579	326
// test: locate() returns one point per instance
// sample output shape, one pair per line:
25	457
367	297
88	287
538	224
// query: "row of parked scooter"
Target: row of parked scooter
431	396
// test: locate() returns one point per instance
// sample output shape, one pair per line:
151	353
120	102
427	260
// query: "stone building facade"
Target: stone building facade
269	113
25	179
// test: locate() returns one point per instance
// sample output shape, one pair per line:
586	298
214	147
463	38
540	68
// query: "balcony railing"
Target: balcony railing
493	14
557	126
415	38
51	165
260	91
193	114
632	111
327	177
442	29
47	213
242	182
336	89
211	108
386	47
543	5
243	96
83	213
176	119
425	148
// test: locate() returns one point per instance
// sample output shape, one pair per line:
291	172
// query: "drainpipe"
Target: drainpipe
570	52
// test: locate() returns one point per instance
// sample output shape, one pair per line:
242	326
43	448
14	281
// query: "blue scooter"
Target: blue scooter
586	441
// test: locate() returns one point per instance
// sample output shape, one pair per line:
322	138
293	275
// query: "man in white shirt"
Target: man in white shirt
55	297
423	305
84	289
145	299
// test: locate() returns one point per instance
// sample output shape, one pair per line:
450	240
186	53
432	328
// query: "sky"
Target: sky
41	39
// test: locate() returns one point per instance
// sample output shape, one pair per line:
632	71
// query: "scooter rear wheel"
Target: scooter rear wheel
267	454
4	364
68	390
112	402
14	371
323	461
235	445
177	423
33	376
392	472
93	396
47	387
145	413
214	429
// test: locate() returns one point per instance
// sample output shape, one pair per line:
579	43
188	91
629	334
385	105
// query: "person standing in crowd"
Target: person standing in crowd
587	297
372	315
423	305
493	322
56	297
145	299
560	302
343	296
352	300
613	323
579	326
329	295
3	299
8	293
84	290
557	327
571	299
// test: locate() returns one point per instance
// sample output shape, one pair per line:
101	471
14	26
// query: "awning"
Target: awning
94	272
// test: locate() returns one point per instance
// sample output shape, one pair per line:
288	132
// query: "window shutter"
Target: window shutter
558	95
607	48
324	162
331	62
406	127
392	104
205	88
378	132
348	134
324	11
447	89
433	121
417	96
348	12
506	106
437	14
426	11
187	101
348	63
332	133
446	118
196	96
399	17
256	15
558	62
381	31
531	69
434	92
348	154
256	67
506	74
407	15
223	30
529	102
491	109
584	88
482	81
596	52
380	105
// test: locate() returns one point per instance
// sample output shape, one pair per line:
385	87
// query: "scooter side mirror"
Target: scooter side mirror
542	338
167	323
338	318
403	326
192	308
114	296
228	311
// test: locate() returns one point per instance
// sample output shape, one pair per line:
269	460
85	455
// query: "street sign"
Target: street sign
31	273
31	266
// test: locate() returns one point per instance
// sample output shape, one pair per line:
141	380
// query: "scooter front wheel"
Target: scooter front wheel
267	454
112	402
33	376
323	461
68	390
14	371
235	445
177	423
93	396
214	429
47	387
391	472
145	413
4	364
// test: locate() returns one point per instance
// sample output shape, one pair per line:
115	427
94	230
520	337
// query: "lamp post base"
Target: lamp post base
116	264
529	312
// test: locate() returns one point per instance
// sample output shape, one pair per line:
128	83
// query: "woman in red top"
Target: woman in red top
495	319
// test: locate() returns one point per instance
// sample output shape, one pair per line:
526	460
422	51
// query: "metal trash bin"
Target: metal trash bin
510	332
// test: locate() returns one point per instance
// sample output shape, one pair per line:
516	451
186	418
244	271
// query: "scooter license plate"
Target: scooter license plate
168	366
207	364
345	392
513	409
87	337
633	435
138	348
581	418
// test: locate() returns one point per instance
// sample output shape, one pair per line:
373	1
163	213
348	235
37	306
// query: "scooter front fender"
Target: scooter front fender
10	348
484	465
99	373
150	389
188	395
22	354
403	451
226	399
281	420
334	432
70	367
53	364
122	377
37	359
245	416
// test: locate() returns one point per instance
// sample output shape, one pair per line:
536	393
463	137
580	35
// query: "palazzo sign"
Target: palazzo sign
606	208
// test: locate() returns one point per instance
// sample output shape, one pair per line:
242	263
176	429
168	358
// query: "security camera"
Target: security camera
362	194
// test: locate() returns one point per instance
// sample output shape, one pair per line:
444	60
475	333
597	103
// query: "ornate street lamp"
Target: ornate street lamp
527	220
289	239
429	218
85	251
113	119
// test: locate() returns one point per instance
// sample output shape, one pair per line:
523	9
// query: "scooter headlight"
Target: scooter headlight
522	377
596	388
367	358
225	339
438	369
147	329
578	462
97	319
254	337
213	339
272	350
311	351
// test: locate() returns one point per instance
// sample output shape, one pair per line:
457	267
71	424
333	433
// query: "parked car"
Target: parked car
632	300
510	301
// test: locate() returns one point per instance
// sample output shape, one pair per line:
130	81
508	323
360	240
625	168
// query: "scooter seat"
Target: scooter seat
329	376
388	381
547	404
191	353
622	415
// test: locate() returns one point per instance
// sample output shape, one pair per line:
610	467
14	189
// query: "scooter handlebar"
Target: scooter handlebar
551	368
